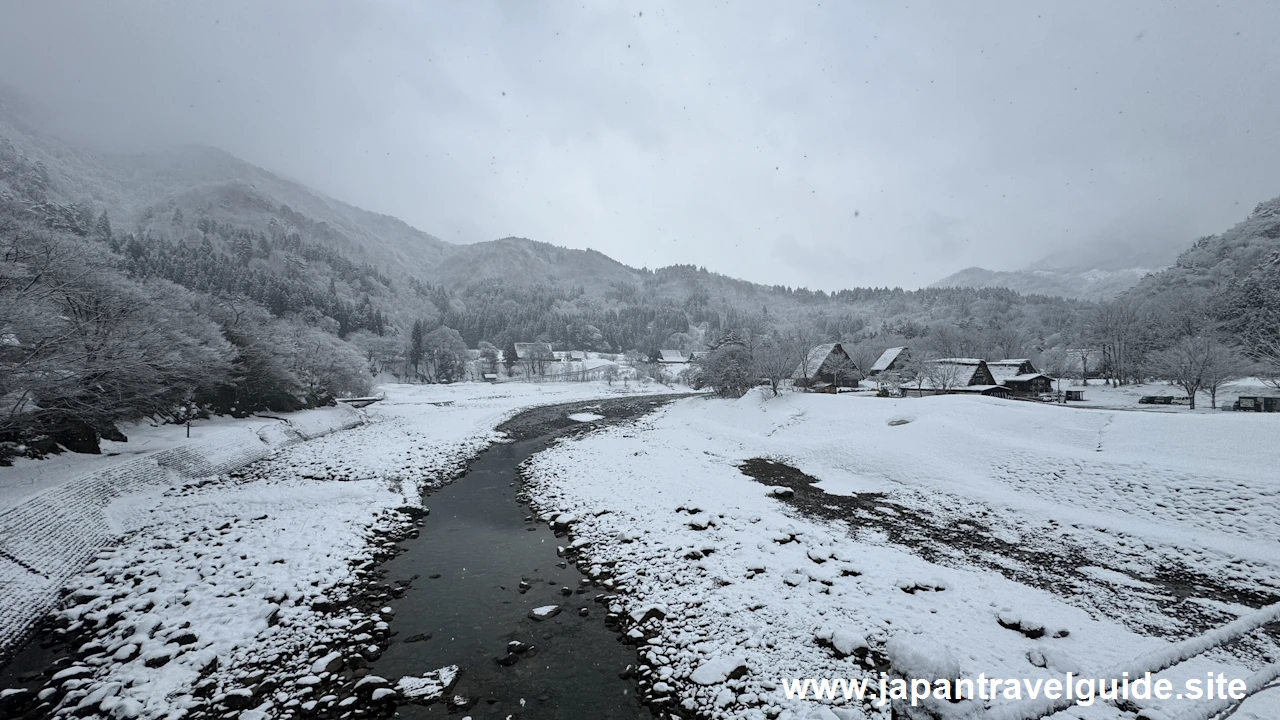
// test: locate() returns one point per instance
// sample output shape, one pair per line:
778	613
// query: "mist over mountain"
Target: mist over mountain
1090	271
269	270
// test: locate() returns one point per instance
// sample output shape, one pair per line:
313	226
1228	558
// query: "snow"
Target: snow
1125	397
235	567
1124	496
544	612
54	517
27	477
717	670
886	359
430	687
585	417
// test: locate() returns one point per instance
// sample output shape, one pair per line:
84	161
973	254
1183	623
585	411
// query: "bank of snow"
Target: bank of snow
223	593
743	579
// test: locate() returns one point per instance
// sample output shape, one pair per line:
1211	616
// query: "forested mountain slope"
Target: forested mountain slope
1089	271
283	297
1234	276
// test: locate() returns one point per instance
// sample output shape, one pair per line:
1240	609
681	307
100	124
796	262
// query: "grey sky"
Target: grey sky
830	144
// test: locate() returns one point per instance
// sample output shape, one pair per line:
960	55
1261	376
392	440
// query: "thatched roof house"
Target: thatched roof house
827	364
891	360
1020	376
534	351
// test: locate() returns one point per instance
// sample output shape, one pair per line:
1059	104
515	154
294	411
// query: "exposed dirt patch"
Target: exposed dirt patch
1051	557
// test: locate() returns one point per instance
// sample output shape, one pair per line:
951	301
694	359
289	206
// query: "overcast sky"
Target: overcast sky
829	144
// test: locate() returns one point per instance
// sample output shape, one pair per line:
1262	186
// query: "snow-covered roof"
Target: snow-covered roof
886	359
813	362
534	351
1002	372
971	367
671	356
1008	369
977	388
1027	377
924	383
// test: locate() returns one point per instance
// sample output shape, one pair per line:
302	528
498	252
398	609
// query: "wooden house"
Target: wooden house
891	360
955	375
1021	377
671	357
827	365
534	356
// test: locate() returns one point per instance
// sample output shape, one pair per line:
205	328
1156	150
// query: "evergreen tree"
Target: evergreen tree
417	346
102	228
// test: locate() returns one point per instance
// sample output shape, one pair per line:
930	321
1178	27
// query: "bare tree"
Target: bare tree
773	360
1267	353
924	371
1185	364
1224	363
945	376
844	370
1122	332
800	341
1007	342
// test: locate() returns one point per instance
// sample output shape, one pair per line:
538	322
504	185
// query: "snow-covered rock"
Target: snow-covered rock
719	669
430	687
544	612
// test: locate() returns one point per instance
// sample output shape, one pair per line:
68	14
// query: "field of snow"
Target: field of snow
241	569
956	534
1125	397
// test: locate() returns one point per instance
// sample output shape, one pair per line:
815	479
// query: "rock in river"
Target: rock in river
545	612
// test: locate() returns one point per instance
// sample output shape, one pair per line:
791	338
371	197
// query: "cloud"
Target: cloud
960	134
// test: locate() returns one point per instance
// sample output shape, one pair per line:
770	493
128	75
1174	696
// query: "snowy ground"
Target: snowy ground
1098	395
28	477
54	517
214	580
956	534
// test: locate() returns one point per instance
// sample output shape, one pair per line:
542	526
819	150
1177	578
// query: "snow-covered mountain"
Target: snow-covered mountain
1091	272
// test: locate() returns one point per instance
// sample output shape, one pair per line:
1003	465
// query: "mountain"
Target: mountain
1096	271
1234	277
218	225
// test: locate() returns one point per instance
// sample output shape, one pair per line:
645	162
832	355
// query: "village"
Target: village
639	361
828	368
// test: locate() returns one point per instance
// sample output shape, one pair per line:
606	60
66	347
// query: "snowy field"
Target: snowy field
1125	397
216	578
956	535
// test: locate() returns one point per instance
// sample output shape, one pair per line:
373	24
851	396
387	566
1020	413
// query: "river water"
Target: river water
464	601
476	547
